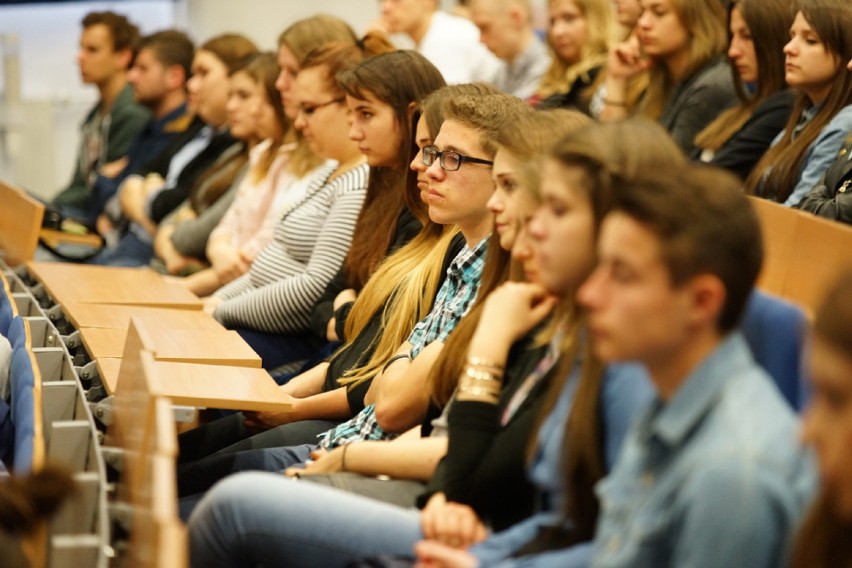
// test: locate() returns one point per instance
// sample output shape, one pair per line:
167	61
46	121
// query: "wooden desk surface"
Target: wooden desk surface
82	315
67	282
210	347
108	370
217	386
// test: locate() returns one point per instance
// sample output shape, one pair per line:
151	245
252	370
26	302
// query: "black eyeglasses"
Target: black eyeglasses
450	161
309	109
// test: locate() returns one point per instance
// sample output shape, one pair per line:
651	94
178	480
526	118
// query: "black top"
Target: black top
167	200
485	465
573	98
362	347
746	147
832	196
407	227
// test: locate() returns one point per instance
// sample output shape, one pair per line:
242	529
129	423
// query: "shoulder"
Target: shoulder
354	180
841	122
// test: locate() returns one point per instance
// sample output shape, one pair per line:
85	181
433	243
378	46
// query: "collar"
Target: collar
671	422
470	260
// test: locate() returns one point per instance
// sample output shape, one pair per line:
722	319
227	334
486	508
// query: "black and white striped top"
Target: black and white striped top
311	242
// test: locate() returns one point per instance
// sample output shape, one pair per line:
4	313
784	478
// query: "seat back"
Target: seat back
775	330
20	217
26	412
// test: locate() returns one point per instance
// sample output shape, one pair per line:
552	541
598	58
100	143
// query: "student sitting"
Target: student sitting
738	138
578	35
820	45
711	474
831	197
823	540
680	43
146	198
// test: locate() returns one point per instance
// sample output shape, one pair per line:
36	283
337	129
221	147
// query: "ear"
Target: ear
412	106
516	15
175	77
708	297
124	57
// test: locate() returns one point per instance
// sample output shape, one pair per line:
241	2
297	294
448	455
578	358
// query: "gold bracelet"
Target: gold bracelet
343	458
480	362
491	386
480	375
479	391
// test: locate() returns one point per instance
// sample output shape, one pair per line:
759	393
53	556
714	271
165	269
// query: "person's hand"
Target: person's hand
112	169
450	523
228	263
103	225
153	182
331	330
625	59
513	309
344	297
322	462
433	554
132	197
260	421
211	303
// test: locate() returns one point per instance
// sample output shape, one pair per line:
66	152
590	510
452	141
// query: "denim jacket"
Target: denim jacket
713	477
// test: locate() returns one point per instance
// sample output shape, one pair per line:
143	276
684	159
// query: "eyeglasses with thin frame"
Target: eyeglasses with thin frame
449	160
310	109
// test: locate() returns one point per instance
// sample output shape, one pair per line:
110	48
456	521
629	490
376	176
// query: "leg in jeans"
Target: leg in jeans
200	476
276	350
265	519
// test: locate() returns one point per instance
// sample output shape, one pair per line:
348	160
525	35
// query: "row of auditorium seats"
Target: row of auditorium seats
124	512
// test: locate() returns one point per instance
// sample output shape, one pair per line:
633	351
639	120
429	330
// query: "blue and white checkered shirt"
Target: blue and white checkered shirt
453	300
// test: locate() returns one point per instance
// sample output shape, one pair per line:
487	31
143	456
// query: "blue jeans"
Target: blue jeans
131	251
265	519
276	350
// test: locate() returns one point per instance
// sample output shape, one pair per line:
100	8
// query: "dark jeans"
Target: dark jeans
277	350
213	451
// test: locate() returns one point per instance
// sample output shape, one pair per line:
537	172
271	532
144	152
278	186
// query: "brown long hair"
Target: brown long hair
704	21
769	23
404	285
777	173
612	156
823	541
398	79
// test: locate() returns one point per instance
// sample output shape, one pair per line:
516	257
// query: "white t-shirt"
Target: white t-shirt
452	45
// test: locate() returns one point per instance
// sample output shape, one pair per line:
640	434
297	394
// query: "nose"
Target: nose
495	203
282	82
790	47
589	294
644	21
300	122
734	50
417	162
535	227
355	132
435	171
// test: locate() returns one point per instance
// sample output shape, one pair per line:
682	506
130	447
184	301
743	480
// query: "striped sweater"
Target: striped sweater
310	244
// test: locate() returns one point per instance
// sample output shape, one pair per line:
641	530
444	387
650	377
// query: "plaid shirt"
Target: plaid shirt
453	300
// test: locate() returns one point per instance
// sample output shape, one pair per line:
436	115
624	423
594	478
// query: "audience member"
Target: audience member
823	540
680	43
255	117
106	52
147	197
711	474
831	198
158	76
738	138
272	302
820	44
506	29
578	36
451	43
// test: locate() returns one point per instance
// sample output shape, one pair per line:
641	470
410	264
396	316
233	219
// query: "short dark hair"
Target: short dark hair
705	225
125	34
170	47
